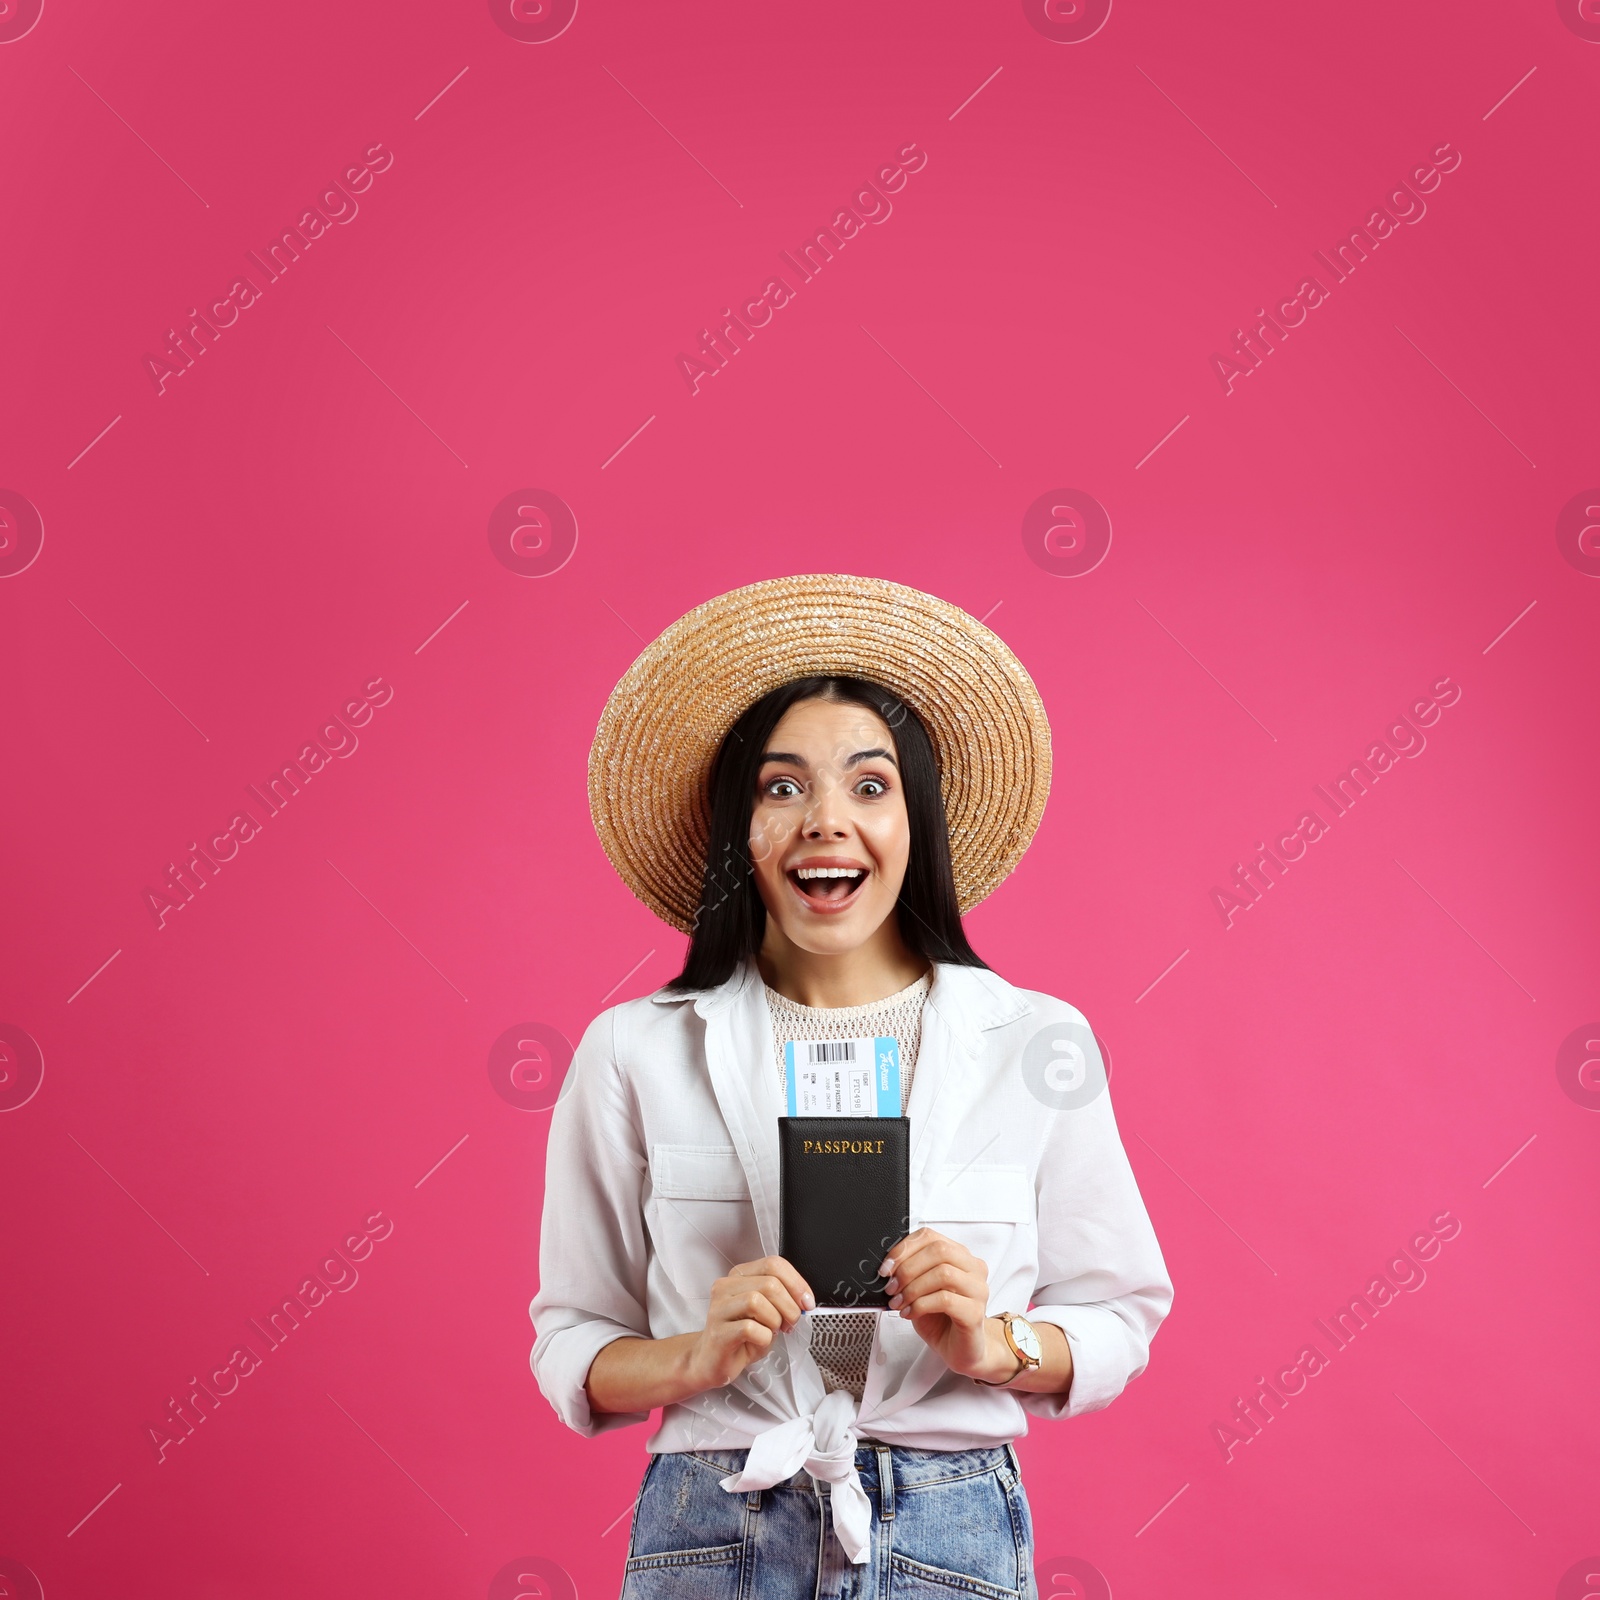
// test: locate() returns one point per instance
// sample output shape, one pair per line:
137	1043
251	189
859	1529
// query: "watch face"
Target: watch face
1025	1339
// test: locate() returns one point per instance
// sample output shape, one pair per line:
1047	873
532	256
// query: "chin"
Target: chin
833	942
833	936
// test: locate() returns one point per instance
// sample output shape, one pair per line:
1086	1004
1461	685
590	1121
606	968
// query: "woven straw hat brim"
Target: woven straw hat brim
652	753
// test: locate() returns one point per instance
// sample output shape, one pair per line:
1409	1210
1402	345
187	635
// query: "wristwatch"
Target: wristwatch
1025	1346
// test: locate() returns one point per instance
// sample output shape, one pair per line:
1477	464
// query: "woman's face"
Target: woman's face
829	835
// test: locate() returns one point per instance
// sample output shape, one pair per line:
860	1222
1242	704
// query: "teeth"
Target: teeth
828	872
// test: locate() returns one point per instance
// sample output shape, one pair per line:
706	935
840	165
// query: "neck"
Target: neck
873	971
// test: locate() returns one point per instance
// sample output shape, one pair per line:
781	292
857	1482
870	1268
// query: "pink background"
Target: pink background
300	512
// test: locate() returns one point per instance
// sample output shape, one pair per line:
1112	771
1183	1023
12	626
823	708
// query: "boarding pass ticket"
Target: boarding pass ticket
842	1077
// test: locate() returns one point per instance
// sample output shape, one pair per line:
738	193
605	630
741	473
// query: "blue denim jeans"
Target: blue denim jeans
946	1523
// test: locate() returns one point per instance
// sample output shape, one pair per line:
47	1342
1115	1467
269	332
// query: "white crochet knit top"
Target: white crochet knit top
841	1341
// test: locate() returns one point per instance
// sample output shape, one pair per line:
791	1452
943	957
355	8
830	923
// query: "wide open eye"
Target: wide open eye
782	789
871	788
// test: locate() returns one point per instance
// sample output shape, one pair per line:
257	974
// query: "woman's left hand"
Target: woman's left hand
943	1289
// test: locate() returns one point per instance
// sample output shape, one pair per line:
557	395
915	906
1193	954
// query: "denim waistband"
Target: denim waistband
908	1468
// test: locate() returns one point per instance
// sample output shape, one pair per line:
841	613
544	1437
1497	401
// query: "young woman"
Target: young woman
814	777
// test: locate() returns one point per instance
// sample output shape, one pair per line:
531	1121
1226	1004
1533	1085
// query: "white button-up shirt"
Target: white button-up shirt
662	1174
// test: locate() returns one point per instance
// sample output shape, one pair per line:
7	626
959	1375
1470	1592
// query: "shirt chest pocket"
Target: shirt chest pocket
697	1172
700	1216
983	1207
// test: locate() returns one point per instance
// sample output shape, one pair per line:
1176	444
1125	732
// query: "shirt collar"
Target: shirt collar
719	997
971	999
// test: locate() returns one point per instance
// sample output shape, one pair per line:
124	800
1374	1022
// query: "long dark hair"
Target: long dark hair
731	920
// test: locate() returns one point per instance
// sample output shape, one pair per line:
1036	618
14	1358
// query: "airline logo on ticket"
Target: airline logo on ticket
842	1077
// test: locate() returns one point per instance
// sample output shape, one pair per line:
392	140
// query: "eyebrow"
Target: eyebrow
789	758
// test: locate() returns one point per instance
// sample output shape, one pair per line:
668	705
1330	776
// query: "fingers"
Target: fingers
753	1335
725	1348
959	1308
735	1346
898	1252
941	1275
764	1300
930	1275
913	1245
798	1289
942	1278
923	1251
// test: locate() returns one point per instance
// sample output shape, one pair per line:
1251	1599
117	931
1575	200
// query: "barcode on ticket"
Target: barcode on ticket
820	1051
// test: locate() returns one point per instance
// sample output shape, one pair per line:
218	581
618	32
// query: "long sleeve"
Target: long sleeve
1102	1279
593	1253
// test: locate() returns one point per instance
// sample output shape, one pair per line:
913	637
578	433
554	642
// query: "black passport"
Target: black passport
845	1197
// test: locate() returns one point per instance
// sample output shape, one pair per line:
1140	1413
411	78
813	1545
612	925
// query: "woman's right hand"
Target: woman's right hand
749	1308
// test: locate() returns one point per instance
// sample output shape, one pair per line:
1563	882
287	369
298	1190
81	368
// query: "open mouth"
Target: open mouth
827	888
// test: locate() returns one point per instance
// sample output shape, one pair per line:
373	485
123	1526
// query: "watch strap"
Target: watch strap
1023	1363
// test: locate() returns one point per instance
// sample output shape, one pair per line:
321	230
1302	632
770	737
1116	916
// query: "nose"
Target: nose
825	818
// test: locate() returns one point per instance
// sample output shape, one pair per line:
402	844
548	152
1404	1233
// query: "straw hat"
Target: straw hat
652	752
